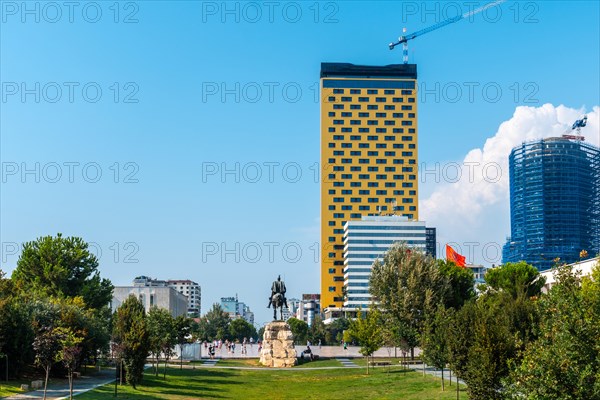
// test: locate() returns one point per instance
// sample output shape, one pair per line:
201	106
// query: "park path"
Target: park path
321	351
210	362
61	390
435	372
346	363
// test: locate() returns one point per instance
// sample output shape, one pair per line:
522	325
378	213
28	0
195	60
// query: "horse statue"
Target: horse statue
277	299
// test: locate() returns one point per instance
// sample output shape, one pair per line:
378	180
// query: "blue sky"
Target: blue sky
204	86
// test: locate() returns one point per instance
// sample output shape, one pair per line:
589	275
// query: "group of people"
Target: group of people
215	345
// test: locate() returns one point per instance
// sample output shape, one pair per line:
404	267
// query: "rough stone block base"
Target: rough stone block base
278	346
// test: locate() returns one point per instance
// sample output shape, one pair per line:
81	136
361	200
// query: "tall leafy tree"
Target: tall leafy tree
69	353
492	346
62	267
516	279
335	330
162	336
214	324
564	362
130	332
183	334
299	330
47	345
317	330
240	328
434	341
408	284
367	332
461	283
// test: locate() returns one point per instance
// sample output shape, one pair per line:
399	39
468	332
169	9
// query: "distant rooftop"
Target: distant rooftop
331	70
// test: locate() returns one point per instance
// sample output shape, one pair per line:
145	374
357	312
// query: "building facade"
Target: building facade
368	240
431	239
309	308
368	155
193	293
583	268
237	309
554	202
151	293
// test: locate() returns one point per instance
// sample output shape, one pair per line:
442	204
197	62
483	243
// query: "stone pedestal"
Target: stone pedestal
278	346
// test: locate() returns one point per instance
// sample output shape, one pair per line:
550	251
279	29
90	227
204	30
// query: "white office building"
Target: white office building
369	239
151	293
192	291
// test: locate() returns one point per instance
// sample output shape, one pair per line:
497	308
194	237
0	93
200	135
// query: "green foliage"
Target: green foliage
461	283
47	346
335	331
240	328
317	331
299	330
408	285
16	333
516	279
62	267
434	342
162	335
261	333
460	337
492	345
131	334
367	332
565	361
213	325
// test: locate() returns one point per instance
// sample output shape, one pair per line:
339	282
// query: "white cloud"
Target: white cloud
462	208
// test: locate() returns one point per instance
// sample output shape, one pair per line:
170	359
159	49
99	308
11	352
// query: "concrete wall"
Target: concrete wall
161	297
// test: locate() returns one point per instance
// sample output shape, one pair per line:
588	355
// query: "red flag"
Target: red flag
453	256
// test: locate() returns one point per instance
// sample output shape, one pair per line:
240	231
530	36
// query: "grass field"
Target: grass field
295	383
11	387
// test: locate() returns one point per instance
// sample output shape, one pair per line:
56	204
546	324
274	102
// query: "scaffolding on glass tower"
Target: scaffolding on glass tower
554	201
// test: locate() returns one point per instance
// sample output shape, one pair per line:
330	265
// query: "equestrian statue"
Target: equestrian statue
277	299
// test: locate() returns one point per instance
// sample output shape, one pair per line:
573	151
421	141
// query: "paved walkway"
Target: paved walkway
435	372
346	363
61	390
321	351
210	363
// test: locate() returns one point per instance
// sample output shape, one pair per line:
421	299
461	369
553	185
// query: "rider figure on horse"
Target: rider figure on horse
278	288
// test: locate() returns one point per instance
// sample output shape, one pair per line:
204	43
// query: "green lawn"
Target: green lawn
349	383
11	387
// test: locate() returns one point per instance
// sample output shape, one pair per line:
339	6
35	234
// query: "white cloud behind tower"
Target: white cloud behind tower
469	203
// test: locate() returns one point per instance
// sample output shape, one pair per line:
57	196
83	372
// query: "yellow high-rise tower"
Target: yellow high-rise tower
368	155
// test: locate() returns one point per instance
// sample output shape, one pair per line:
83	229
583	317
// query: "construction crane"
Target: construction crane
405	38
577	125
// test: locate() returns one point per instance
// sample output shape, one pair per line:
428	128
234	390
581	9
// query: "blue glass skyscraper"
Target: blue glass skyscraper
554	202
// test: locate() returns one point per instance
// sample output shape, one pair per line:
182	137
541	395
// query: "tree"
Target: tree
62	267
161	334
299	330
214	324
183	328
461	283
317	330
492	346
69	353
515	279
239	329
47	345
434	342
460	337
564	362
367	332
408	285
335	330
129	331
16	333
